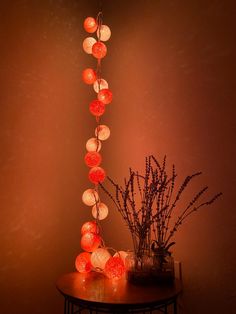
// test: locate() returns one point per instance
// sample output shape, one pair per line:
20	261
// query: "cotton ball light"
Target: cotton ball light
121	254
97	175
93	145
89	226
90	24
89	76
99	50
100	211
93	159
83	262
99	258
100	84
104	32
97	108
90	197
88	43
102	132
114	268
105	96
90	241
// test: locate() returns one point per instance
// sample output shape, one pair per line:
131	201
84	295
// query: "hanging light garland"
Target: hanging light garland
96	256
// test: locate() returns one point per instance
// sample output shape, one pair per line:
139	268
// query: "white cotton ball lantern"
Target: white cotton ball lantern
102	132
104	33
93	145
88	44
100	211
90	197
103	85
99	258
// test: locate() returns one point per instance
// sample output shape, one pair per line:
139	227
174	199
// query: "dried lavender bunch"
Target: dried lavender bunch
146	203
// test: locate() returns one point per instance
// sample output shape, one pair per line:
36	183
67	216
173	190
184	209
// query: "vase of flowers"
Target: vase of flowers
147	203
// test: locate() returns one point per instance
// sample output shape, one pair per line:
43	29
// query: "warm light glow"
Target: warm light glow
93	159
90	197
100	84
89	226
97	108
114	268
100	211
90	241
97	175
104	33
90	25
105	96
102	132
88	44
99	50
83	262
89	76
121	254
99	258
93	145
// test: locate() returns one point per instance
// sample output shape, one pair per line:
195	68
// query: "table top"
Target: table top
95	287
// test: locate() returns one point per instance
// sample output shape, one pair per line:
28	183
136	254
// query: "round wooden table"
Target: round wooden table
94	292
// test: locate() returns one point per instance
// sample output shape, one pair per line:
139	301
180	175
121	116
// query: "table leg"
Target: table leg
175	306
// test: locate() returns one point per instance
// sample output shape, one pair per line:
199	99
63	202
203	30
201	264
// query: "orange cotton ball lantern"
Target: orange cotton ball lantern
90	241
97	175
89	76
102	132
97	108
114	268
100	211
99	50
89	226
83	262
105	96
90	197
93	159
90	24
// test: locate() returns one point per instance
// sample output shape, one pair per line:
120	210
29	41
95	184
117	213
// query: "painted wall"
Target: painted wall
171	66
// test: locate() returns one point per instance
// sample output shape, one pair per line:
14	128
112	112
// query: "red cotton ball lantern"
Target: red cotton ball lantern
90	24
93	159
97	108
114	268
105	96
90	241
83	262
97	175
89	226
99	50
89	76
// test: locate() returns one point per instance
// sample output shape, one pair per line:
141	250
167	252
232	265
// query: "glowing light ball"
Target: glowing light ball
100	211
90	25
99	258
97	175
105	96
122	255
90	197
90	241
102	132
89	226
100	83
97	108
99	50
114	268
83	262
93	145
89	76
104	33
88	44
93	159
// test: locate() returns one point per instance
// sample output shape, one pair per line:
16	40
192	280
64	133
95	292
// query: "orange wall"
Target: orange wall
171	68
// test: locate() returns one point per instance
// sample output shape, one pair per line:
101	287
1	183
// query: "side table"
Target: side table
94	293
